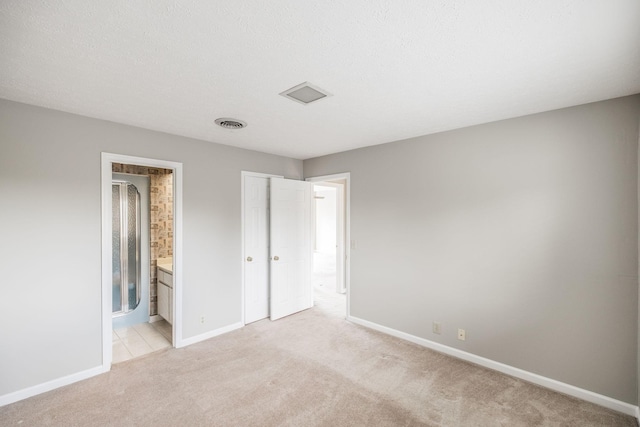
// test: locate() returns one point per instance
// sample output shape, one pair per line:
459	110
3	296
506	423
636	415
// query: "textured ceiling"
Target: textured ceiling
396	69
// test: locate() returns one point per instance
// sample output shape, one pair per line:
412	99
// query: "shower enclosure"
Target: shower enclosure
130	253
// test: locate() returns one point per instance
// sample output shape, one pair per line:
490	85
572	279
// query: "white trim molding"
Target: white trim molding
589	396
50	385
211	334
83	375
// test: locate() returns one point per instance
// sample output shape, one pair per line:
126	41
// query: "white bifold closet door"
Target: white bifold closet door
290	247
256	247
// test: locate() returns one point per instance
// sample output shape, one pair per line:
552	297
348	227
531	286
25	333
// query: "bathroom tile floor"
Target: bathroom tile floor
140	339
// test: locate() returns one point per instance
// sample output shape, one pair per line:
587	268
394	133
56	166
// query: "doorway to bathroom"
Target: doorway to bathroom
142	266
141	256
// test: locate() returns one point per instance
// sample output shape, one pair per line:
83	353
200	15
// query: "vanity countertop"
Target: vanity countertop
167	268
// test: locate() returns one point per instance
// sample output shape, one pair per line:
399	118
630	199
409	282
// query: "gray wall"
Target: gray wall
524	232
50	307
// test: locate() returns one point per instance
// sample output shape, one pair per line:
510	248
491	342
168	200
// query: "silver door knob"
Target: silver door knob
249	259
275	258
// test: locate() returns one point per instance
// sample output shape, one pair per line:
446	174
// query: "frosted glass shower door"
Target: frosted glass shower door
126	247
116	232
130	290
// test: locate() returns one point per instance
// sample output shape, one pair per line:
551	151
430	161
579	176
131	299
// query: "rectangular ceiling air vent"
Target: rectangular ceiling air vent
305	93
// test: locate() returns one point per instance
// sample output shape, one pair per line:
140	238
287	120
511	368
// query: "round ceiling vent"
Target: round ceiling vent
230	123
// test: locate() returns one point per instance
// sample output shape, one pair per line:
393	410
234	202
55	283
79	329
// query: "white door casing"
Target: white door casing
256	248
291	252
341	285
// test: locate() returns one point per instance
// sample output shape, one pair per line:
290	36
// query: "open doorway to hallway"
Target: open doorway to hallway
329	252
259	256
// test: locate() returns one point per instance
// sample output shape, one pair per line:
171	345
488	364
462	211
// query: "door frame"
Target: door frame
244	174
346	176
107	160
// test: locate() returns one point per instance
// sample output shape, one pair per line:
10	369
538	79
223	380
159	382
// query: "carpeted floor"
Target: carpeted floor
309	369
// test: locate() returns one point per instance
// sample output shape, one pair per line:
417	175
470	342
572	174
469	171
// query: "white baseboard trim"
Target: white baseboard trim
50	385
79	376
188	341
549	383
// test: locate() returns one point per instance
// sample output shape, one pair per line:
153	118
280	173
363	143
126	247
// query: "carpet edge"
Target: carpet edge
555	385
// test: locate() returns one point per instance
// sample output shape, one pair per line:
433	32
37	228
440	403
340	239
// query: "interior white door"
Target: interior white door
256	248
290	233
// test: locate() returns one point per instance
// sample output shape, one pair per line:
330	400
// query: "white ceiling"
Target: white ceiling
396	68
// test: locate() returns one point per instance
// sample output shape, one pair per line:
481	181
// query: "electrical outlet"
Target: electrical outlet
201	319
437	328
462	335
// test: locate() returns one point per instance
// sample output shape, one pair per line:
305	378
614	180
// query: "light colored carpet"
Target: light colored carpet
309	369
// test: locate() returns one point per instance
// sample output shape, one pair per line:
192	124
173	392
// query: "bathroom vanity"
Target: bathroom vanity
165	290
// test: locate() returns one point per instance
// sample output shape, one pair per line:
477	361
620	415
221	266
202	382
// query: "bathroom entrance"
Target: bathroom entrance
141	292
142	217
